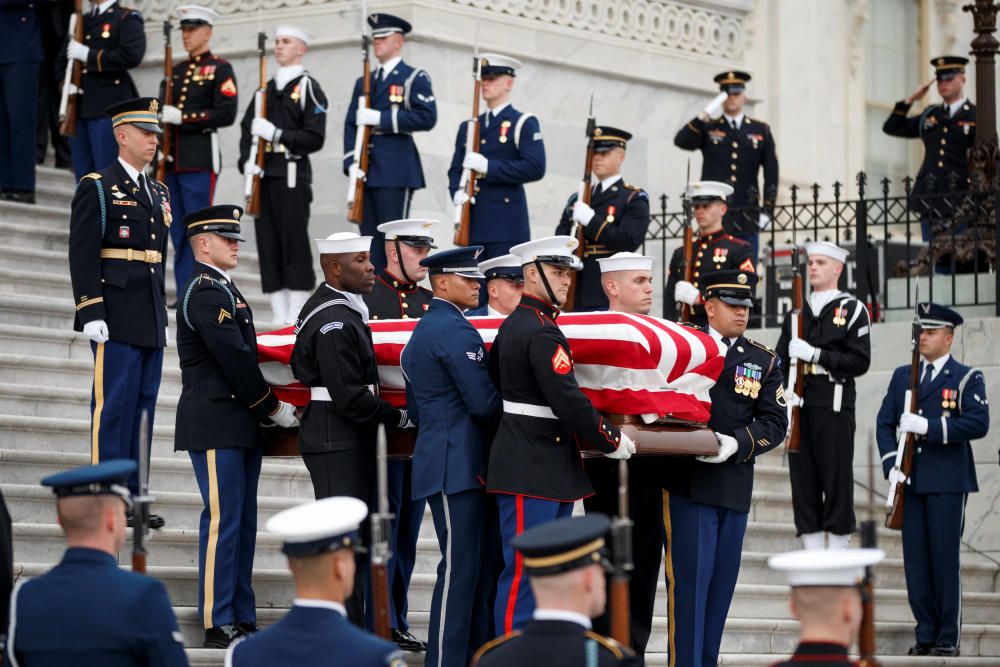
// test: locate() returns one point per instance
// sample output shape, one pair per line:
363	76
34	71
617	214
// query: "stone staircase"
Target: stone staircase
45	373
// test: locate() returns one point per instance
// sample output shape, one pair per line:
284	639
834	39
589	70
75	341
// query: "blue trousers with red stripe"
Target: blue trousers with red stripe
227	534
126	382
189	192
515	602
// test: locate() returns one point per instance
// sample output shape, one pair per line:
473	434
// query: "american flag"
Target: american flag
625	364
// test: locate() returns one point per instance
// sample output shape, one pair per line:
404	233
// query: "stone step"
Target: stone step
25	369
48	176
64	402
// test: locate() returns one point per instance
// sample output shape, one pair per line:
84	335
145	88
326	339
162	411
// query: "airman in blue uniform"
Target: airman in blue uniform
952	411
20	57
504	286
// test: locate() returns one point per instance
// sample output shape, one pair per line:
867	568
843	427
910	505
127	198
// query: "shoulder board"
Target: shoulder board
94	175
128	11
737	241
755	120
617	649
493	643
761	346
689	325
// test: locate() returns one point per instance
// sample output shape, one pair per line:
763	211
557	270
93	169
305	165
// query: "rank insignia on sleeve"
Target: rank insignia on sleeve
228	87
561	363
748	266
779	396
224	315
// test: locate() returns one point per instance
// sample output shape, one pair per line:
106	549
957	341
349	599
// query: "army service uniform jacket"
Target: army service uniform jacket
554	643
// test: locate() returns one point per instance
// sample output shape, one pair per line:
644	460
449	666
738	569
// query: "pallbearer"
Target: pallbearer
504	285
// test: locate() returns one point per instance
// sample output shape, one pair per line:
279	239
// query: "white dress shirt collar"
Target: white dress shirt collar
609	181
496	110
819	300
938	365
562	615
285	75
105	6
719	337
737	119
493	312
320	604
389	65
953	108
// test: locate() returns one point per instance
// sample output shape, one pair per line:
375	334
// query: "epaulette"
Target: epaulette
756	120
690	325
492	644
761	346
629	186
94	175
616	649
737	241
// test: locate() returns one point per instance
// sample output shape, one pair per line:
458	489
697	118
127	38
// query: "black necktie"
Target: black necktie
598	189
947	111
142	189
733	124
489	118
728	342
928	372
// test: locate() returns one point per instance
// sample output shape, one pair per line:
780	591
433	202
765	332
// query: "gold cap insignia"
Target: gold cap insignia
940	62
598	132
154	106
742	279
236	213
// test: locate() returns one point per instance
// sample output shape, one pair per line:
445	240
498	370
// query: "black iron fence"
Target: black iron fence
934	242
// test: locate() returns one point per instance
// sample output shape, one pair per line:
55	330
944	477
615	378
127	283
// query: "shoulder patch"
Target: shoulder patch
492	644
761	346
94	175
616	649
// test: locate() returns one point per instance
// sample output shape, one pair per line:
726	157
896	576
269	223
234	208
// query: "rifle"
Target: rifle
904	451
688	246
356	185
796	378
74	74
381	551
463	213
869	540
140	503
168	98
621	544
252	184
583	196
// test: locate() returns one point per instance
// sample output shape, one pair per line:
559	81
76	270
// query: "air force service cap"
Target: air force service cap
555	250
415	232
495	64
827	249
143	112
109	478
343	242
457	261
320	526
386	24
507	267
223	219
730	286
563	545
625	261
936	316
827	567
706	191
195	15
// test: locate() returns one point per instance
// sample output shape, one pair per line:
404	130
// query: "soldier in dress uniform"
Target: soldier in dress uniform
834	350
615	221
826	601
510	154
714	250
565	560
319	539
114	41
402	102
86	611
335	358
735	148
453	403
947	131
535	468
295	127
204	96
118	230
706	502
952	412
223	398
504	286
20	57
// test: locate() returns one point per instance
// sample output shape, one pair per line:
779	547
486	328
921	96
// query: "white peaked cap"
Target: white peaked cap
826	567
198	13
342	242
319	526
286	30
709	189
625	261
827	249
499	60
551	250
410	227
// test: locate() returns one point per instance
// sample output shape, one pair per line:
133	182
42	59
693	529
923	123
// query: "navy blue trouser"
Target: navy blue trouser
383	205
189	192
407	514
94	146
18	110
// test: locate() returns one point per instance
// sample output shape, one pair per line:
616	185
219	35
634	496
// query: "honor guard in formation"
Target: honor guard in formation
295	126
21	56
118	230
952	411
114	41
510	154
834	350
453	403
319	539
734	149
504	286
565	560
86	611
616	219
535	468
714	249
223	398
402	102
706	502
205	99
947	131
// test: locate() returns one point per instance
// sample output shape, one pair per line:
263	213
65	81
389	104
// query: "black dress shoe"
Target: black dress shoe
945	650
221	637
407	642
172	305
155	520
21	196
248	628
920	648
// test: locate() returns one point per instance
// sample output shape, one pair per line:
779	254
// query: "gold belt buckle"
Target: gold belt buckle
152	256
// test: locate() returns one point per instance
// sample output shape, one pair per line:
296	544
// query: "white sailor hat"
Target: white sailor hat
625	261
319	526
708	190
556	250
286	30
495	64
197	15
827	249
412	231
827	567
342	242
507	267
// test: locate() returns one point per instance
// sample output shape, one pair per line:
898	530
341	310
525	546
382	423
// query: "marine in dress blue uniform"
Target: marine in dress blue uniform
86	611
20	57
504	284
118	229
952	411
402	102
706	501
319	539
510	153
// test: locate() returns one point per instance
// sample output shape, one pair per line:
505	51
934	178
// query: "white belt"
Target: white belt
323	394
529	410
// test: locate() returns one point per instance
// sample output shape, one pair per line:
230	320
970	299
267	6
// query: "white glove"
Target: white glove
582	214
793	399
368	117
284	415
77	51
685	292
73	89
250	168
715	106
800	349
263	128
911	423
460	197
626	448
727	447
96	330
896	476
404	420
475	162
763	220
355	173
171	115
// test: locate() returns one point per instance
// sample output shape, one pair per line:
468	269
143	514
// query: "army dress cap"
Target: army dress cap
457	261
415	232
320	526
143	112
827	249
936	316
732	82
343	242
829	567
607	137
708	190
563	545
386	24
730	286
194	15
507	267
292	31
495	64
948	67
223	219
109	478
555	250
625	261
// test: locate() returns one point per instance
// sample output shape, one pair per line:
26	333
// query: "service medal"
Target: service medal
106	30
504	129
611	214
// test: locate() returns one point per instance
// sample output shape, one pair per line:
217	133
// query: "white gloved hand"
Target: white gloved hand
368	117
763	220
911	423
800	349
263	128
77	51
166	335
793	399
73	89
685	292
896	476
626	448
460	197
727	447
715	106
475	162
251	169
285	415
96	330
404	420
582	213
355	173
171	115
